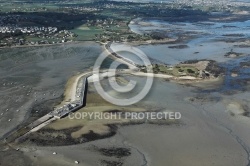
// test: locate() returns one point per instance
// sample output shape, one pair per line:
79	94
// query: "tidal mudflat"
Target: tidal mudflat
33	79
214	124
213	129
210	132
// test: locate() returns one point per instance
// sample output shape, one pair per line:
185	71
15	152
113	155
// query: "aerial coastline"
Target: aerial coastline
200	65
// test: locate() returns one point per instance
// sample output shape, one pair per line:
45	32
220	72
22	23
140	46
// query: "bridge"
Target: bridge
80	102
58	113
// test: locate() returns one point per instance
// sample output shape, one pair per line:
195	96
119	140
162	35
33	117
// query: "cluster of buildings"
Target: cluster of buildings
13	33
221	3
104	23
28	30
11	24
85	9
15	36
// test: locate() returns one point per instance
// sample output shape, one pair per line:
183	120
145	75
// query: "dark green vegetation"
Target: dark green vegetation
50	137
111	163
83	20
116	152
177	71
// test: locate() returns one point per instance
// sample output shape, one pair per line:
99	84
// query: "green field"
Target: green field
85	33
176	70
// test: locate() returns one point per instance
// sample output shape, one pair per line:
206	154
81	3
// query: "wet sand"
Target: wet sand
207	135
213	130
32	75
